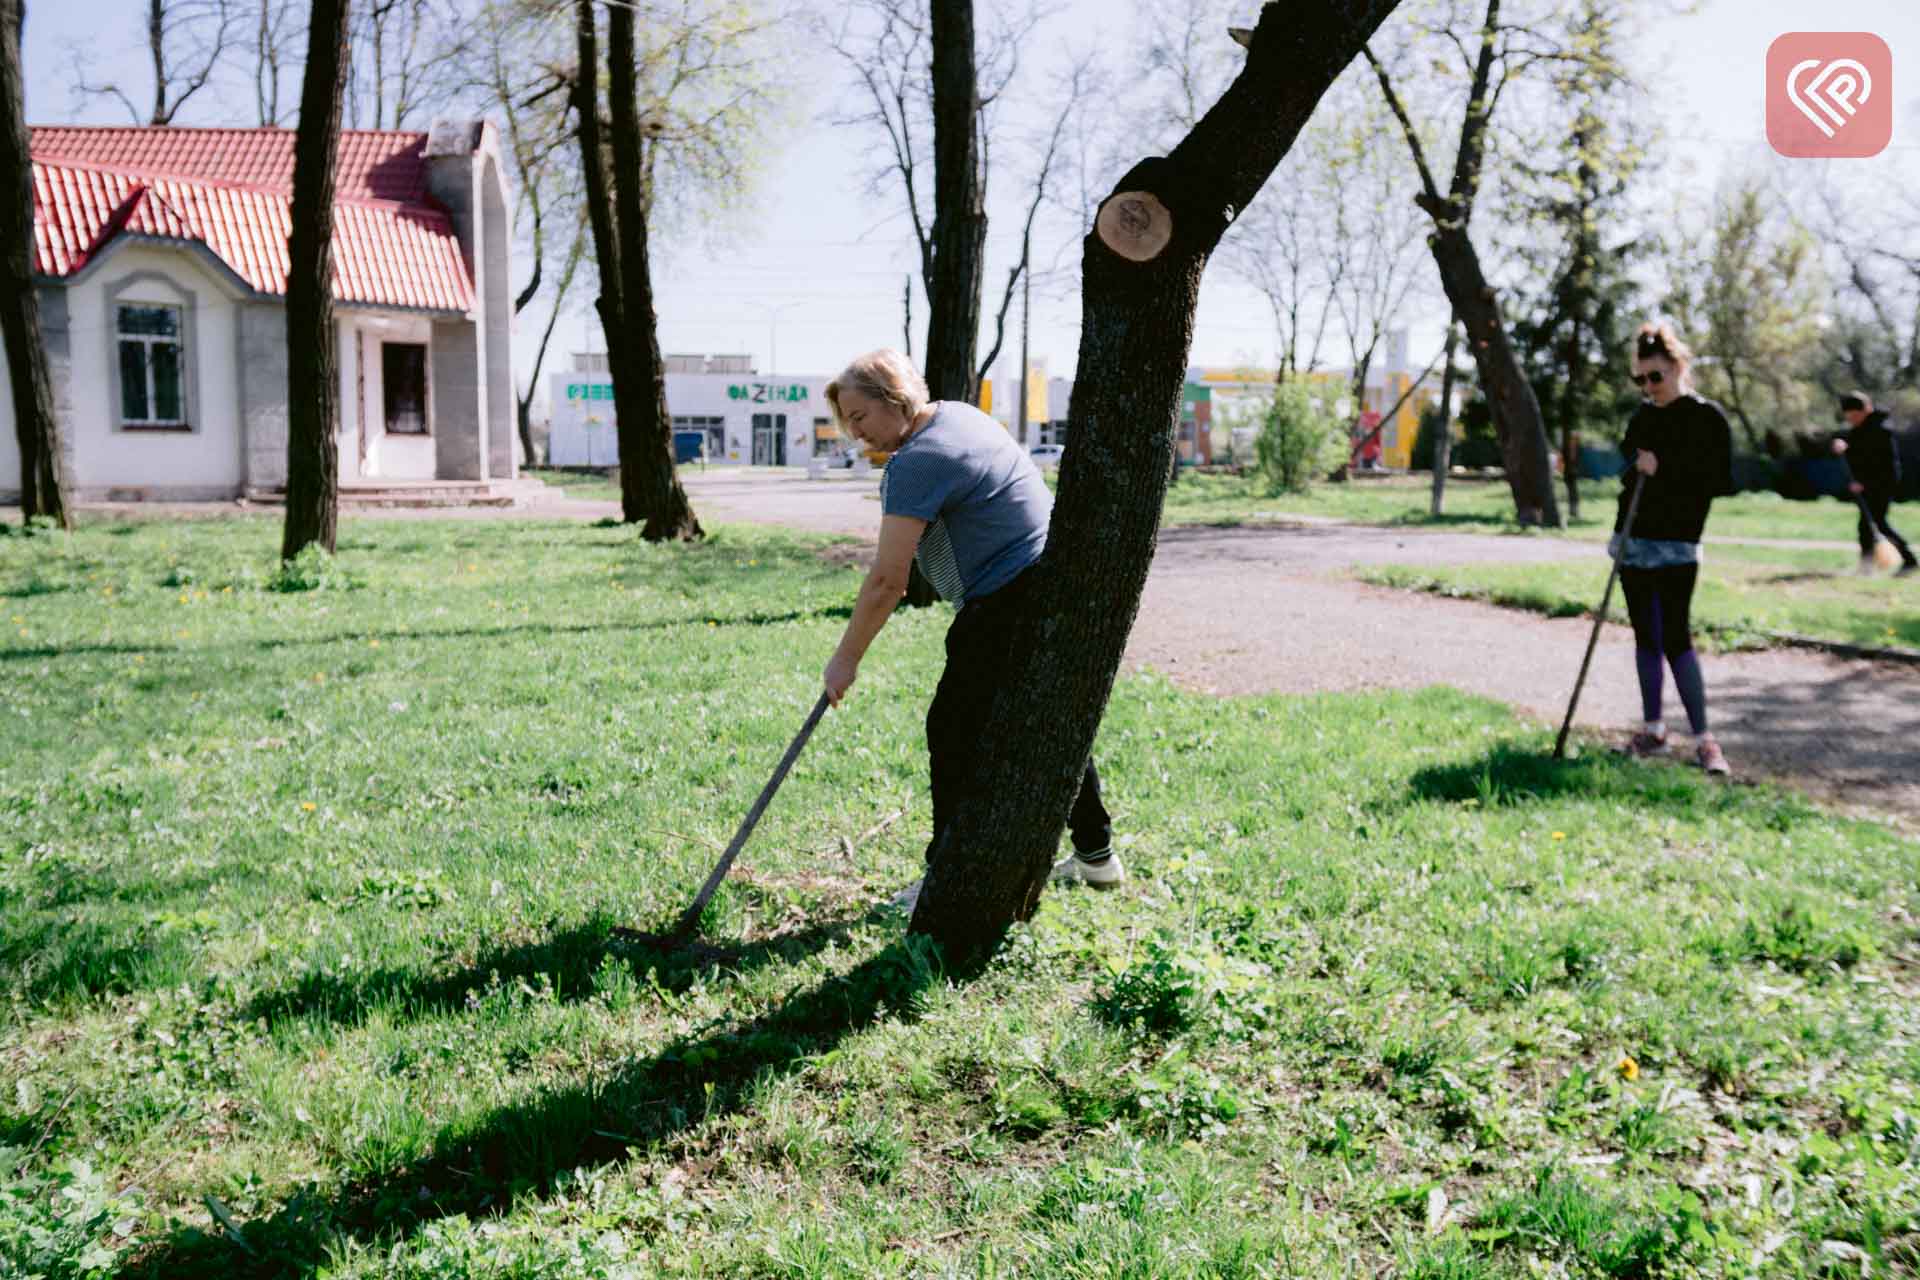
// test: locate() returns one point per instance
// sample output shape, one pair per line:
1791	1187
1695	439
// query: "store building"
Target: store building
723	411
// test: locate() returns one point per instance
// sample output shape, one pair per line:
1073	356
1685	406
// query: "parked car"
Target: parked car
1047	455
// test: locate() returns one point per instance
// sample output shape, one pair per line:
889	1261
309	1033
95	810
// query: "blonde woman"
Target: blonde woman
1680	452
961	496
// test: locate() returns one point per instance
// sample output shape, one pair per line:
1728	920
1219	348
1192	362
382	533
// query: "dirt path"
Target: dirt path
1256	610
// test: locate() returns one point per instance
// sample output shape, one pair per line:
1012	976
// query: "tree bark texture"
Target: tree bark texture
650	491
1141	285
42	492
1516	411
313	389
1443	439
959	207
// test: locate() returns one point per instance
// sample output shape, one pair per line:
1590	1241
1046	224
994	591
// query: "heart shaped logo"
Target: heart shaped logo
1829	94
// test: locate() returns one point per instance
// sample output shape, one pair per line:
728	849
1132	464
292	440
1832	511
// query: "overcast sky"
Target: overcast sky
818	267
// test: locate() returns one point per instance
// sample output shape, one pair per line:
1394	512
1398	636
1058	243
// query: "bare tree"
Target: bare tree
1504	51
1370	241
407	56
650	492
187	41
275	23
889	47
41	490
313	390
1141	282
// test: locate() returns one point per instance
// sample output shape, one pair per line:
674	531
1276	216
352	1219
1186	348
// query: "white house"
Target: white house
160	260
722	410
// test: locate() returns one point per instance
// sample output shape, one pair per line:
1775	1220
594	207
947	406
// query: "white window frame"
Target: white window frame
178	341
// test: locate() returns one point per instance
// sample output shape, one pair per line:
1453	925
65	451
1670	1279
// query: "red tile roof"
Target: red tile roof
185	185
373	164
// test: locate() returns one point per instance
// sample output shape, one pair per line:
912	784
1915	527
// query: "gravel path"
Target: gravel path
1256	610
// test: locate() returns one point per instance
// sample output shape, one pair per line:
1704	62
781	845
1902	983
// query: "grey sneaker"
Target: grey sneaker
1101	873
908	898
1644	744
1711	758
1866	568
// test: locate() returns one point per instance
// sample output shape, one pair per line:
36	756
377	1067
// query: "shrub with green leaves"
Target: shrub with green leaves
1298	441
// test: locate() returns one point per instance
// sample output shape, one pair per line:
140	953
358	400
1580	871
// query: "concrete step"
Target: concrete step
413	494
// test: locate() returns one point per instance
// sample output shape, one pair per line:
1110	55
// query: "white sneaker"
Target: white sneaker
1105	874
908	898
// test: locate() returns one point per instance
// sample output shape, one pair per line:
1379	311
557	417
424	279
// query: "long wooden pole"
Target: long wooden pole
690	918
1600	619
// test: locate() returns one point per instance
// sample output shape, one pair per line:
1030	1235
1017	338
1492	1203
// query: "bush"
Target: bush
1478	447
1298	441
312	570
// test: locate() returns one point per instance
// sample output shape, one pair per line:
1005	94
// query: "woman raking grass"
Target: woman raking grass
1679	449
961	496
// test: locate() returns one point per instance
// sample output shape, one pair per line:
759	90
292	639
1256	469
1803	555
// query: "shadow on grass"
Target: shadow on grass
1510	776
569	959
488	1165
839	612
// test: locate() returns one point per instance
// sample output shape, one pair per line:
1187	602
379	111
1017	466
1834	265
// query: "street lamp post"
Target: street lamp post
773	335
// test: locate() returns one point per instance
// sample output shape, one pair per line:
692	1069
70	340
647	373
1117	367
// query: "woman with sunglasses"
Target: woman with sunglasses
1679	453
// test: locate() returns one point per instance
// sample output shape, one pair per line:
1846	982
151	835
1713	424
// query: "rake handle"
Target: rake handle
691	916
1606	599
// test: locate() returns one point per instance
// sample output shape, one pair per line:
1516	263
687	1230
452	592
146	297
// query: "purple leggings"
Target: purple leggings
1660	603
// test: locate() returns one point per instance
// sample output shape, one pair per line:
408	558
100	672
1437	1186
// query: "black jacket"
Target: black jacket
1694	447
1873	455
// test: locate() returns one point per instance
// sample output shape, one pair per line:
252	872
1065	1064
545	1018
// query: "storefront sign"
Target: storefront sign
767	392
589	391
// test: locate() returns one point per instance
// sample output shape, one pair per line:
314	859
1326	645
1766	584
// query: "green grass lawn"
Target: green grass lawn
1476	505
1747	597
306	965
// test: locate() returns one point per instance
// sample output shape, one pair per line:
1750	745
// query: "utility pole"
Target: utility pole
1026	315
906	302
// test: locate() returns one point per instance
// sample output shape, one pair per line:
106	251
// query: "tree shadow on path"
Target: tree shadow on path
488	1166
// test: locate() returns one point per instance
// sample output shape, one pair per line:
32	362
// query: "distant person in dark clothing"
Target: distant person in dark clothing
1873	460
1680	453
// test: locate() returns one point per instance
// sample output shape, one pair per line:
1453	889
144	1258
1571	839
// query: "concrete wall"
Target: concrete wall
262	348
495	256
472	362
459	401
111	460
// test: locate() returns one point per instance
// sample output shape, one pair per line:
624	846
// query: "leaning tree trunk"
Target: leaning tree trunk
313	390
41	491
1516	411
650	490
1141	285
1443	438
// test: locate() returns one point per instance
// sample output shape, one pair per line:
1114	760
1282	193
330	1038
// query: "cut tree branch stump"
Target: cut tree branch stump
1135	225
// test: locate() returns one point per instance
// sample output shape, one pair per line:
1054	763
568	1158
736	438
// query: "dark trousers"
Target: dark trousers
1660	602
980	649
1873	521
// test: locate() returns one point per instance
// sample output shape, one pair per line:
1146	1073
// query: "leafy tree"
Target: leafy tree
1573	330
1506	51
1751	306
1298	441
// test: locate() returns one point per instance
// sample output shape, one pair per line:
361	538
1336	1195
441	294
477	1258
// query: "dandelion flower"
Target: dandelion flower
308	805
1627	1067
1559	835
